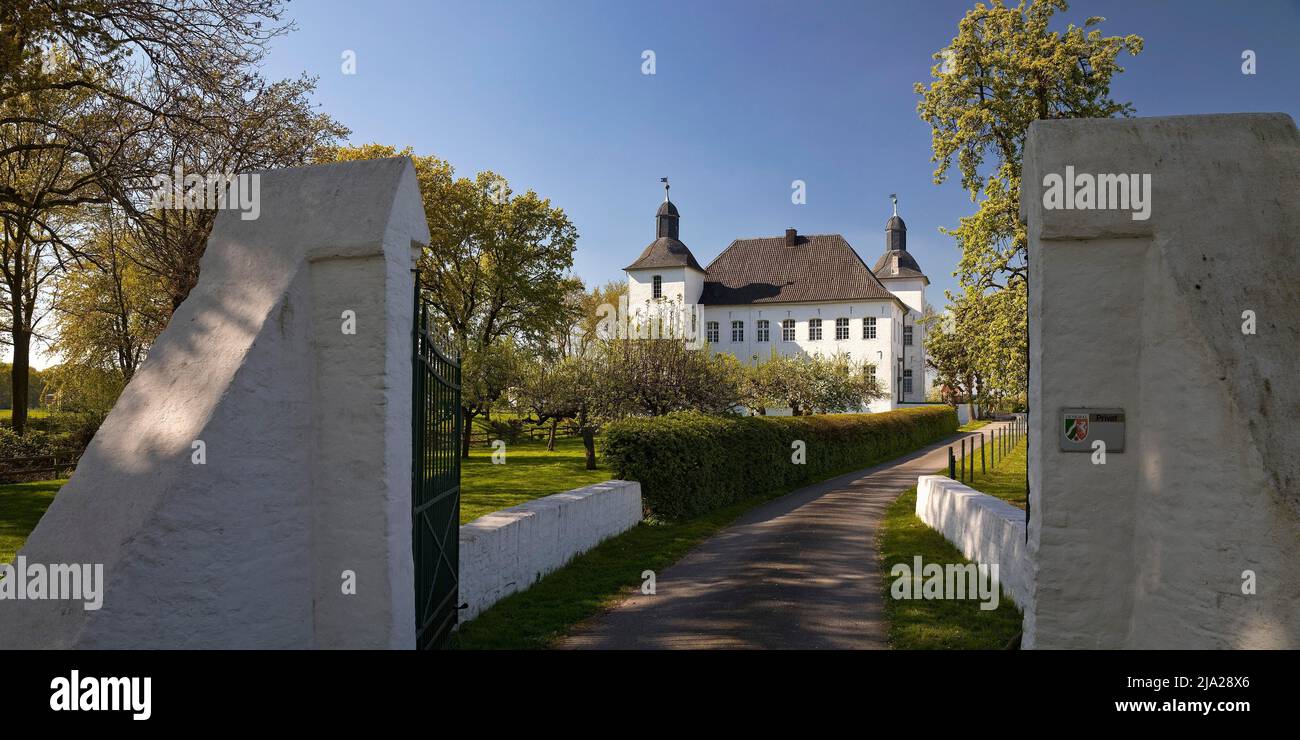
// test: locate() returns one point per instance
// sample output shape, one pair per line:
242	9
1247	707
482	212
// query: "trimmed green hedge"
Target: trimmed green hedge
689	463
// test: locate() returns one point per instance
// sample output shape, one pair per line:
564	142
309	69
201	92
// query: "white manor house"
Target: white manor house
797	293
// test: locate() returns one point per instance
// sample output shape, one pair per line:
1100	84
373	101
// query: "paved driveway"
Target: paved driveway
798	572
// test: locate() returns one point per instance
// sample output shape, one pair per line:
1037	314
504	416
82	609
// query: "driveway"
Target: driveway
799	572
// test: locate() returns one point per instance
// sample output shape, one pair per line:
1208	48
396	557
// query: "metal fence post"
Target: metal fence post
952	463
983	470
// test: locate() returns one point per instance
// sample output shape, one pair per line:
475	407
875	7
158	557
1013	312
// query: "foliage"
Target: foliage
27	445
507	430
83	388
35	384
108	313
495	270
810	384
691	463
653	377
1005	69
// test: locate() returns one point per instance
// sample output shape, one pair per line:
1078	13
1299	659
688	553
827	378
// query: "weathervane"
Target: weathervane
664	180
894	197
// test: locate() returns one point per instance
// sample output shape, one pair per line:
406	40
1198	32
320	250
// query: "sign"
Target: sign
1081	428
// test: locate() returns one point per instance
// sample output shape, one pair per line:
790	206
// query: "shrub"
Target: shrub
689	463
508	430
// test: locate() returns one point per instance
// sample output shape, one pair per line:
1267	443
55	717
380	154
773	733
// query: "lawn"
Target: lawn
591	582
21	506
7	414
1006	480
946	624
971	426
529	472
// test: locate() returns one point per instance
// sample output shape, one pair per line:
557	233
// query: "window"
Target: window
907	381
787	330
907	336
658	286
814	330
737	331
711	331
869	327
841	328
764	330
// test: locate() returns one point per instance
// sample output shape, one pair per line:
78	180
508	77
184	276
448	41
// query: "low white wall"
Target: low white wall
985	529
510	550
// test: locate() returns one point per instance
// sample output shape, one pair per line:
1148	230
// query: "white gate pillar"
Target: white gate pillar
305	433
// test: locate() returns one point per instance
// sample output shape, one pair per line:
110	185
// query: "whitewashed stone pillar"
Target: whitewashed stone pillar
306	430
1154	548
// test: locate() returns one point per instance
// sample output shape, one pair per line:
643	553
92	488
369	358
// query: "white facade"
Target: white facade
875	328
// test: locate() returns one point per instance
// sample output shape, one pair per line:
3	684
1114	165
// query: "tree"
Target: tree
653	377
495	270
35	223
138	60
811	384
273	126
1005	69
107	313
951	348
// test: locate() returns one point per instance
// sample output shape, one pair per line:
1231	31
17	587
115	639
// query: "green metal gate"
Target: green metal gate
435	483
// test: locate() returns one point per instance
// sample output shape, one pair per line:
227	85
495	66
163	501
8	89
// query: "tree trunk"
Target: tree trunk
550	443
468	421
18	378
589	442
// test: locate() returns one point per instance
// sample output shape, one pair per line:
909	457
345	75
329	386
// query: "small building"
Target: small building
795	293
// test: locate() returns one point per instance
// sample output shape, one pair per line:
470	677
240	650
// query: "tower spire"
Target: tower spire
894	197
664	180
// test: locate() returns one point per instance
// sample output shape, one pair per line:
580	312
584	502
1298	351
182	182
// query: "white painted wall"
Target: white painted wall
1149	550
881	351
510	550
679	284
307	435
986	529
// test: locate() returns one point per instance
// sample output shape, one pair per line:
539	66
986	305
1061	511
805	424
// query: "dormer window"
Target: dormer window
658	283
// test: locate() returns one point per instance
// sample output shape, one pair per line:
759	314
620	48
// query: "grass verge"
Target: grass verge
946	624
593	581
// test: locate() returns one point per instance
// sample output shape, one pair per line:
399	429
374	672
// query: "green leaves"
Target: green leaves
1005	69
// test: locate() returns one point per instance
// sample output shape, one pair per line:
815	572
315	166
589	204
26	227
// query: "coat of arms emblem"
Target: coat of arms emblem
1076	427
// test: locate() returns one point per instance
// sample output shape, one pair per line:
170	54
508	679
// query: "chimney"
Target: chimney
790	237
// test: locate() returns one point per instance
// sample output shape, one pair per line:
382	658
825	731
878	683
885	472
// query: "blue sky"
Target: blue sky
747	97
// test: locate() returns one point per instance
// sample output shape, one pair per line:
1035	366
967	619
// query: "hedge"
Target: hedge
690	463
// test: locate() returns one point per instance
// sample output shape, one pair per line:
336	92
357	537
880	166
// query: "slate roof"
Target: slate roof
897	263
817	267
665	252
